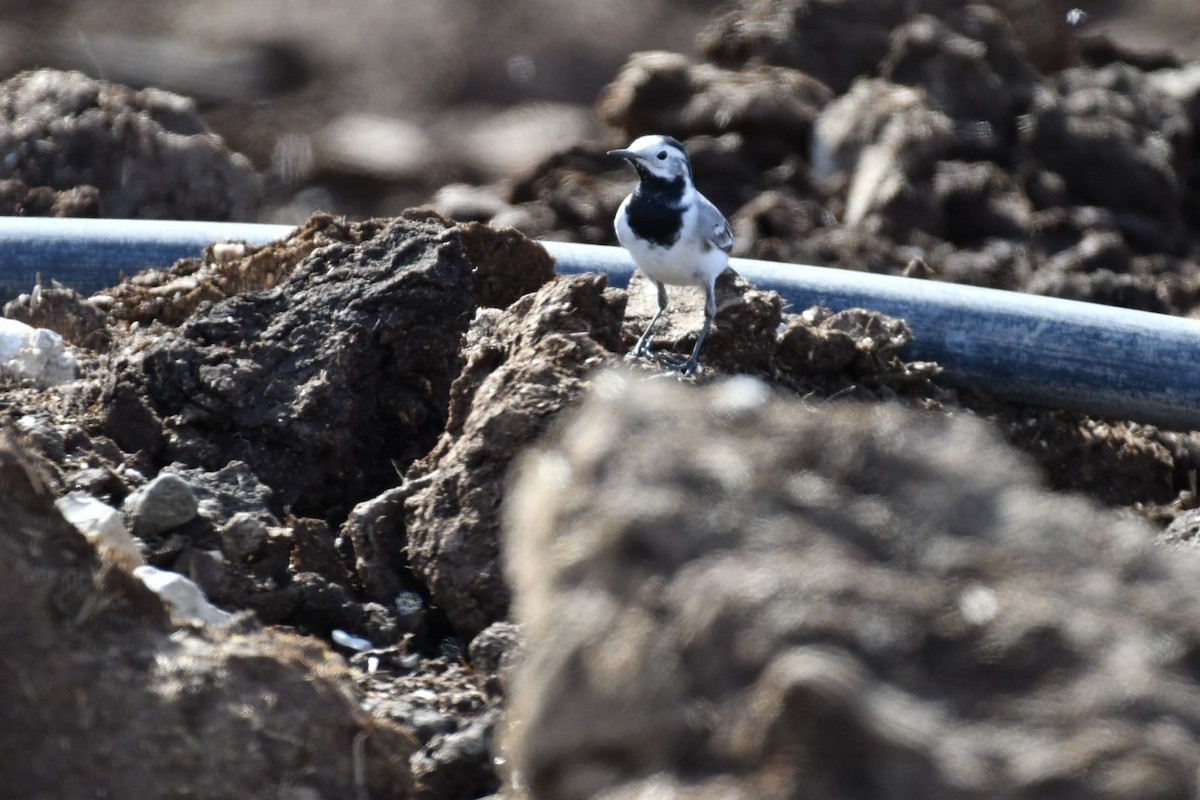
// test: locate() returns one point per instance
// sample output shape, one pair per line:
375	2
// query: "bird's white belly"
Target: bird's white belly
686	263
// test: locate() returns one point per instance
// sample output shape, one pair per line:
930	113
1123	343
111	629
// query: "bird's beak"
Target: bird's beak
632	155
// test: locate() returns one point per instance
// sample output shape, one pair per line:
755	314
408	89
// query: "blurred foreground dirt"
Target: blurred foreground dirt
813	571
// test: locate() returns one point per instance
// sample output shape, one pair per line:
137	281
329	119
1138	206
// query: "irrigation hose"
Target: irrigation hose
1107	361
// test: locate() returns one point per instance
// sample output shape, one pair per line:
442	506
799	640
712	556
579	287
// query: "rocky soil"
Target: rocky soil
457	546
747	597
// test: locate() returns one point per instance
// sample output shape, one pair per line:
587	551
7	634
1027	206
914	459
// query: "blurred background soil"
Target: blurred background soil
367	109
1022	145
370	109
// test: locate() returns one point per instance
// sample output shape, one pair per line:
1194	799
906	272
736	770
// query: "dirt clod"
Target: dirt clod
742	585
352	355
97	678
521	368
852	582
100	147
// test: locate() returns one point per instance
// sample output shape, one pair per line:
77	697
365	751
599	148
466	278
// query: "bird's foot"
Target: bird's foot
673	364
665	360
639	350
676	368
634	355
683	366
643	351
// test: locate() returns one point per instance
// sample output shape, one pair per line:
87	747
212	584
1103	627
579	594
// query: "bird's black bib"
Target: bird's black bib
654	211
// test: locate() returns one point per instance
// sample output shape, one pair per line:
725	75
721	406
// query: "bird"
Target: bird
674	234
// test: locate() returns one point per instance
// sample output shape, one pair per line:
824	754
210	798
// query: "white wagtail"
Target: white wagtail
673	232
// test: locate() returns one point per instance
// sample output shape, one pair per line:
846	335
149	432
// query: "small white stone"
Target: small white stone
978	604
101	525
351	641
184	600
35	354
225	252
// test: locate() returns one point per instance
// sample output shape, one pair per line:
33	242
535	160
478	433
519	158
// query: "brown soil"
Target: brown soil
803	568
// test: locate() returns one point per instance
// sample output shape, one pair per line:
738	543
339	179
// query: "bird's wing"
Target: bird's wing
713	225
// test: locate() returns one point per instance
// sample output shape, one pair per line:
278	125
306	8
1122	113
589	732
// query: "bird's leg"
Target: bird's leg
710	311
642	348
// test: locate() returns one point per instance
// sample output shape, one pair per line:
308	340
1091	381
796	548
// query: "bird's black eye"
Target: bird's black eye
662	155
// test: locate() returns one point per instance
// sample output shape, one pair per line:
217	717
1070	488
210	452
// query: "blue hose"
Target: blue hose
91	254
1106	361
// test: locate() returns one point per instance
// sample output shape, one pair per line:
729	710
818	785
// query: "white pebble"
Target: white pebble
184	600
352	642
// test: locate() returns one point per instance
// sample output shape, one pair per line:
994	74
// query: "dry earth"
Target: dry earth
814	571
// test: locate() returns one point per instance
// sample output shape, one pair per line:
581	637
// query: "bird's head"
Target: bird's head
657	156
